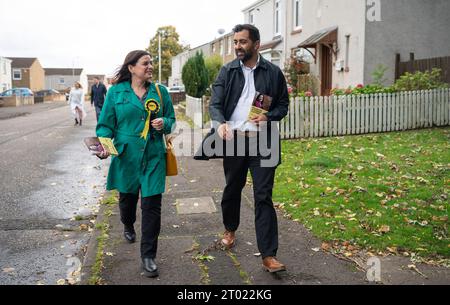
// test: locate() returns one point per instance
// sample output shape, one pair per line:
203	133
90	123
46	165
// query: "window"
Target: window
62	80
297	14
277	17
17	74
276	59
251	17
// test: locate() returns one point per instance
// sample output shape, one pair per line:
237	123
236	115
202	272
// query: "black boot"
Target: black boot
150	268
81	122
76	122
129	234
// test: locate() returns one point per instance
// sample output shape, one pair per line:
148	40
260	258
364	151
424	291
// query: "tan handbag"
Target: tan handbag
171	160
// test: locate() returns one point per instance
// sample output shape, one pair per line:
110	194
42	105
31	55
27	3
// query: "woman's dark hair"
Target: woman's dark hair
123	74
252	30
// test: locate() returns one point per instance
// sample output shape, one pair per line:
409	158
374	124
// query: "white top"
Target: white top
239	118
76	96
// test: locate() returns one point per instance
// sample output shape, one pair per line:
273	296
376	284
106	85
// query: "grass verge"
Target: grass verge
381	192
102	239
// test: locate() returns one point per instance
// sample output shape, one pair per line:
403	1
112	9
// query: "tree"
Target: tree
213	65
195	76
170	47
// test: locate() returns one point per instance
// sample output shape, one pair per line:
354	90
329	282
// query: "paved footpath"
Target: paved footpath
189	237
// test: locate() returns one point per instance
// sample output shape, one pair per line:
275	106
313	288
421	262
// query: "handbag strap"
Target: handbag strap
160	98
167	143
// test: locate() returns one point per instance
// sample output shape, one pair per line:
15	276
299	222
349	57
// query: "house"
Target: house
62	79
177	67
27	73
224	47
179	60
270	17
5	74
345	41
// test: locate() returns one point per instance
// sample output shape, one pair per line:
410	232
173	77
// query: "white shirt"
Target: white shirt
239	118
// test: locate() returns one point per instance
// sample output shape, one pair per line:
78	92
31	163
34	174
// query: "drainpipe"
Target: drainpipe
286	3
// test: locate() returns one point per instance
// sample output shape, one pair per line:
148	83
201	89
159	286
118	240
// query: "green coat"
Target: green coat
141	163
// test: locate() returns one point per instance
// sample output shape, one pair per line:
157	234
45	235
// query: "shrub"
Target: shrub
195	76
420	81
213	65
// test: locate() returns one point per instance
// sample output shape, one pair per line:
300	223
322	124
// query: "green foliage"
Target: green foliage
170	47
195	76
420	81
213	65
294	69
378	75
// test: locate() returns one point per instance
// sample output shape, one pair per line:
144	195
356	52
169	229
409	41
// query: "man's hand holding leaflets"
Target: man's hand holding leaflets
260	106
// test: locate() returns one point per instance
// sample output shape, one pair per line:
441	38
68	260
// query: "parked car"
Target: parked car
176	89
17	92
48	92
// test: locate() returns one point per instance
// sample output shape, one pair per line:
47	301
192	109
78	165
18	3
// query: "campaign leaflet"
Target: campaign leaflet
97	145
261	105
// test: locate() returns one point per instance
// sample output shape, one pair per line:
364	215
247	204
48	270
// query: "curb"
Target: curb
91	251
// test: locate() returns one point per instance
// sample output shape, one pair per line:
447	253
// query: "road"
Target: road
47	178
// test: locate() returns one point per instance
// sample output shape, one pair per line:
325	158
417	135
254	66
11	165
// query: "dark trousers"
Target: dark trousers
266	224
151	220
98	110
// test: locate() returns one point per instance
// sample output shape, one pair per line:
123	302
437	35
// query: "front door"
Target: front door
326	71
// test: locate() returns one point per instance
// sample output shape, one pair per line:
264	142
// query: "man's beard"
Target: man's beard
247	55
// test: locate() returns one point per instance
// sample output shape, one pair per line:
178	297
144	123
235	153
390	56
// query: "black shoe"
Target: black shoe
150	268
130	235
76	122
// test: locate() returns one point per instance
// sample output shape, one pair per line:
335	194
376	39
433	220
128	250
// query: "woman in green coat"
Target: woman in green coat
136	118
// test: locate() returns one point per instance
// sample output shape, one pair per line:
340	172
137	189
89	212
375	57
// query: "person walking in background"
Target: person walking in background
98	94
76	102
137	113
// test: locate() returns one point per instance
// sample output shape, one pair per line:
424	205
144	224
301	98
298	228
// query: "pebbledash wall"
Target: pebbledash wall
406	26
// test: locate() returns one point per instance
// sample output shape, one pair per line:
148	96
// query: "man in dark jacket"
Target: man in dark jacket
98	94
233	95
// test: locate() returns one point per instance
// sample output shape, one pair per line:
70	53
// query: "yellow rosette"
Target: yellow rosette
152	107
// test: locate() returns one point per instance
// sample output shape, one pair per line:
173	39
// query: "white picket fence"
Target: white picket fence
361	114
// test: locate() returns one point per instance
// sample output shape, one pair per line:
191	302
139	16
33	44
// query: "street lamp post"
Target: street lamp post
159	56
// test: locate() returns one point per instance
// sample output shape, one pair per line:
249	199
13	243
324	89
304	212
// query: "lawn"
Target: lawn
380	192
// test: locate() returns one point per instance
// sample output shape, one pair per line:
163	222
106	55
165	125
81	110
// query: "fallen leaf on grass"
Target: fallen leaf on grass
384	229
325	246
381	156
392	249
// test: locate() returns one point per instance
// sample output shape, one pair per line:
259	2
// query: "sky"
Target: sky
97	34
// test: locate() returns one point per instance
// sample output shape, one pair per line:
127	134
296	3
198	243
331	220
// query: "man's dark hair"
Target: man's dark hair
252	30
